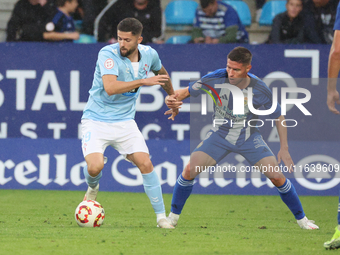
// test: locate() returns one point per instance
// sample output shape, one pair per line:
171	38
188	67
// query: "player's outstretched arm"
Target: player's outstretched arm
333	72
169	90
167	84
283	153
112	86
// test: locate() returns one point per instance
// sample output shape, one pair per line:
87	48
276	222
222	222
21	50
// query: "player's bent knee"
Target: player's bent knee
192	172
146	166
187	173
278	181
95	168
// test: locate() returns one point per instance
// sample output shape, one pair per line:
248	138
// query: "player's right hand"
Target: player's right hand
332	98
156	80
284	155
171	101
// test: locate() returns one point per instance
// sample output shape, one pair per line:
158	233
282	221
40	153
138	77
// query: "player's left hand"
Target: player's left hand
286	158
173	112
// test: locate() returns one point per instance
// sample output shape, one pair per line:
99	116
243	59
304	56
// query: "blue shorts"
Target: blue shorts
254	149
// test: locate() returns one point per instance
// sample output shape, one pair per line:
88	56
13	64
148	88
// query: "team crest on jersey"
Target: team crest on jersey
146	68
109	63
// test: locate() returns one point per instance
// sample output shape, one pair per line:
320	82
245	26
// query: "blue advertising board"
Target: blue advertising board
44	88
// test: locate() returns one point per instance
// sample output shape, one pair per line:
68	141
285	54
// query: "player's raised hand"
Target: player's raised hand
332	98
156	80
286	158
172	101
173	113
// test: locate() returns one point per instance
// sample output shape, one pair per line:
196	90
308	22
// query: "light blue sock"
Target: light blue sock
91	181
153	189
181	193
291	199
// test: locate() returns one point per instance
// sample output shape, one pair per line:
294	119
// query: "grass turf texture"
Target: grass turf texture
42	222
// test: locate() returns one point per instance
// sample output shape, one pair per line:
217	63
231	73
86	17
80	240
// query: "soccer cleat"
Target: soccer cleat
91	194
173	219
305	223
334	243
163	223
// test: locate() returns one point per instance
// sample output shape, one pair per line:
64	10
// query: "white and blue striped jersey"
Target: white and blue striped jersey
120	107
236	130
215	26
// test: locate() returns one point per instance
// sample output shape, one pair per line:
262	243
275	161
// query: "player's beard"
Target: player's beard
128	52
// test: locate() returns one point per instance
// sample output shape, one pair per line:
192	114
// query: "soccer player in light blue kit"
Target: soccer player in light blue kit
332	98
238	137
108	117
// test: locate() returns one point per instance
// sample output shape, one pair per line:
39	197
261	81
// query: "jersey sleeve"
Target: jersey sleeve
196	87
108	63
156	63
276	113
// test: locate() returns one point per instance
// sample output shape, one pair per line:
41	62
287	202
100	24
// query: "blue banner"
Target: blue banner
44	87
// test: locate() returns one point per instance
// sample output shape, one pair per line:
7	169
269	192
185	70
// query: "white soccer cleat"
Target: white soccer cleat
163	223
91	194
305	223
173	219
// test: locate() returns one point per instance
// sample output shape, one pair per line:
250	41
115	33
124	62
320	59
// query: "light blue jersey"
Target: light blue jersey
120	107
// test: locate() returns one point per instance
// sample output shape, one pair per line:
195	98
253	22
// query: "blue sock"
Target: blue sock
91	181
291	199
181	193
339	211
153	189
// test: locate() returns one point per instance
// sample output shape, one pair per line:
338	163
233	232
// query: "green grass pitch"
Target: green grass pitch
42	222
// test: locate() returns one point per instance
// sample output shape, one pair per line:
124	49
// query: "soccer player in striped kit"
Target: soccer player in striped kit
239	138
